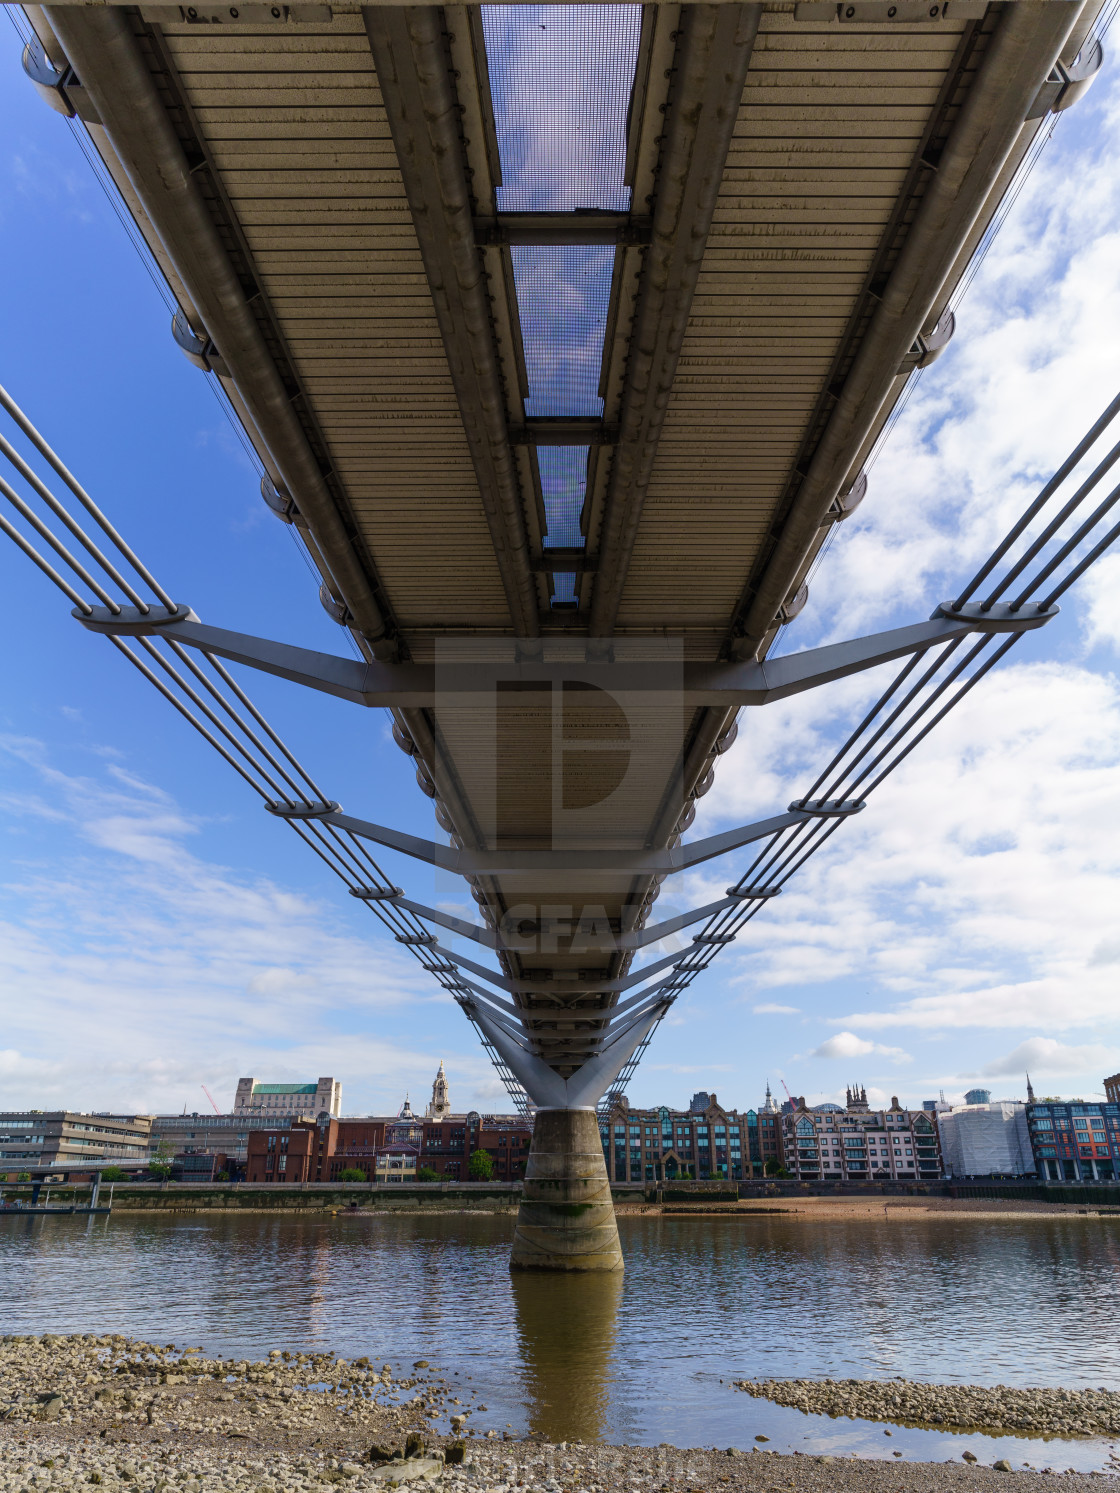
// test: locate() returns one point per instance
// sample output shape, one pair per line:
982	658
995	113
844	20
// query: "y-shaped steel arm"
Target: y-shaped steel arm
416	686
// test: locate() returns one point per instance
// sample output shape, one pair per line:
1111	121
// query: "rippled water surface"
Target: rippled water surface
644	1357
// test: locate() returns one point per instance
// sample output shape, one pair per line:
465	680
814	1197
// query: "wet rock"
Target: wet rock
50	1405
419	1470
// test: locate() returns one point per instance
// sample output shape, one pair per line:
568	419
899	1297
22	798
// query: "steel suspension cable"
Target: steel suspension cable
44	565
31	477
30	516
916	714
1040	542
82	496
1048	490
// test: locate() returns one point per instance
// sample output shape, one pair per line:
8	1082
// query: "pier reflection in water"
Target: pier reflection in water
647	1356
567	1326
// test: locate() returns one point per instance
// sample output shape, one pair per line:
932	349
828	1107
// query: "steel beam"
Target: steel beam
414	76
565	560
562	229
619	942
514	862
707	89
563	430
413	686
545	1087
562	987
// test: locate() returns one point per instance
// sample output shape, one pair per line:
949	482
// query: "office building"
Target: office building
1075	1140
31	1139
197	1140
978	1096
861	1144
271	1101
660	1145
986	1140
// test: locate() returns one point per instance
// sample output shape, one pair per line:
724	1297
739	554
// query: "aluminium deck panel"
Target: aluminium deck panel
830	121
293	120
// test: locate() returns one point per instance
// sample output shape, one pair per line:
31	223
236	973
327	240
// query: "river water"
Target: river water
644	1357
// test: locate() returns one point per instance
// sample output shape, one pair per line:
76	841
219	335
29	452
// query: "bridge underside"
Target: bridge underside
380	282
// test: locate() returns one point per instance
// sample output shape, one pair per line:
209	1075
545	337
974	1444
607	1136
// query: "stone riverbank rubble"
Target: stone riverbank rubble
118	1389
957	1407
118	1415
40	1461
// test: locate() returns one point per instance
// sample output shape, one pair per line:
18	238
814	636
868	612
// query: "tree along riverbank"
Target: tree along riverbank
118	1413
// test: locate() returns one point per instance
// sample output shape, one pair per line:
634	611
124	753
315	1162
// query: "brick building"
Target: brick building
1112	1088
770	1153
659	1145
861	1144
394	1148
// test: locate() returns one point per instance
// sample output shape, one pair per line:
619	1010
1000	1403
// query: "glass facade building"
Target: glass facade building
1076	1141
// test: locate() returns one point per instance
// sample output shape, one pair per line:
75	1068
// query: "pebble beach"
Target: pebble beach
111	1412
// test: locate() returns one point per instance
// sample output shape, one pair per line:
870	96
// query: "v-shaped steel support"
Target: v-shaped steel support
545	1087
504	862
608	944
414	686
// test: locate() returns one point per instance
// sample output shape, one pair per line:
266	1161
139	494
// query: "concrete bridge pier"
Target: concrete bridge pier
566	1220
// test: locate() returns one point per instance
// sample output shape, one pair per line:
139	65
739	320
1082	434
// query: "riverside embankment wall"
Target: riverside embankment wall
499	1197
272	1197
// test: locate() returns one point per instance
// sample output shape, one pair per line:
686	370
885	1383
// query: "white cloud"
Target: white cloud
1033	362
978	888
142	971
1102	592
772	1008
1045	1055
848	1045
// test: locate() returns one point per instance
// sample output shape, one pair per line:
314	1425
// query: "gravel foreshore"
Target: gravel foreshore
962	1407
116	1413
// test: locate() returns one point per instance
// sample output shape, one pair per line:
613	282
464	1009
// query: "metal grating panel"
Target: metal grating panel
560	79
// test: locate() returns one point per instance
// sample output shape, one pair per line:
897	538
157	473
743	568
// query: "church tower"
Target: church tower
440	1107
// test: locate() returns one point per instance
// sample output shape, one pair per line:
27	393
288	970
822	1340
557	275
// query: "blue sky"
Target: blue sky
158	931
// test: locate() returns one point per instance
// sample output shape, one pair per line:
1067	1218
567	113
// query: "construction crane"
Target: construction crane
217	1111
